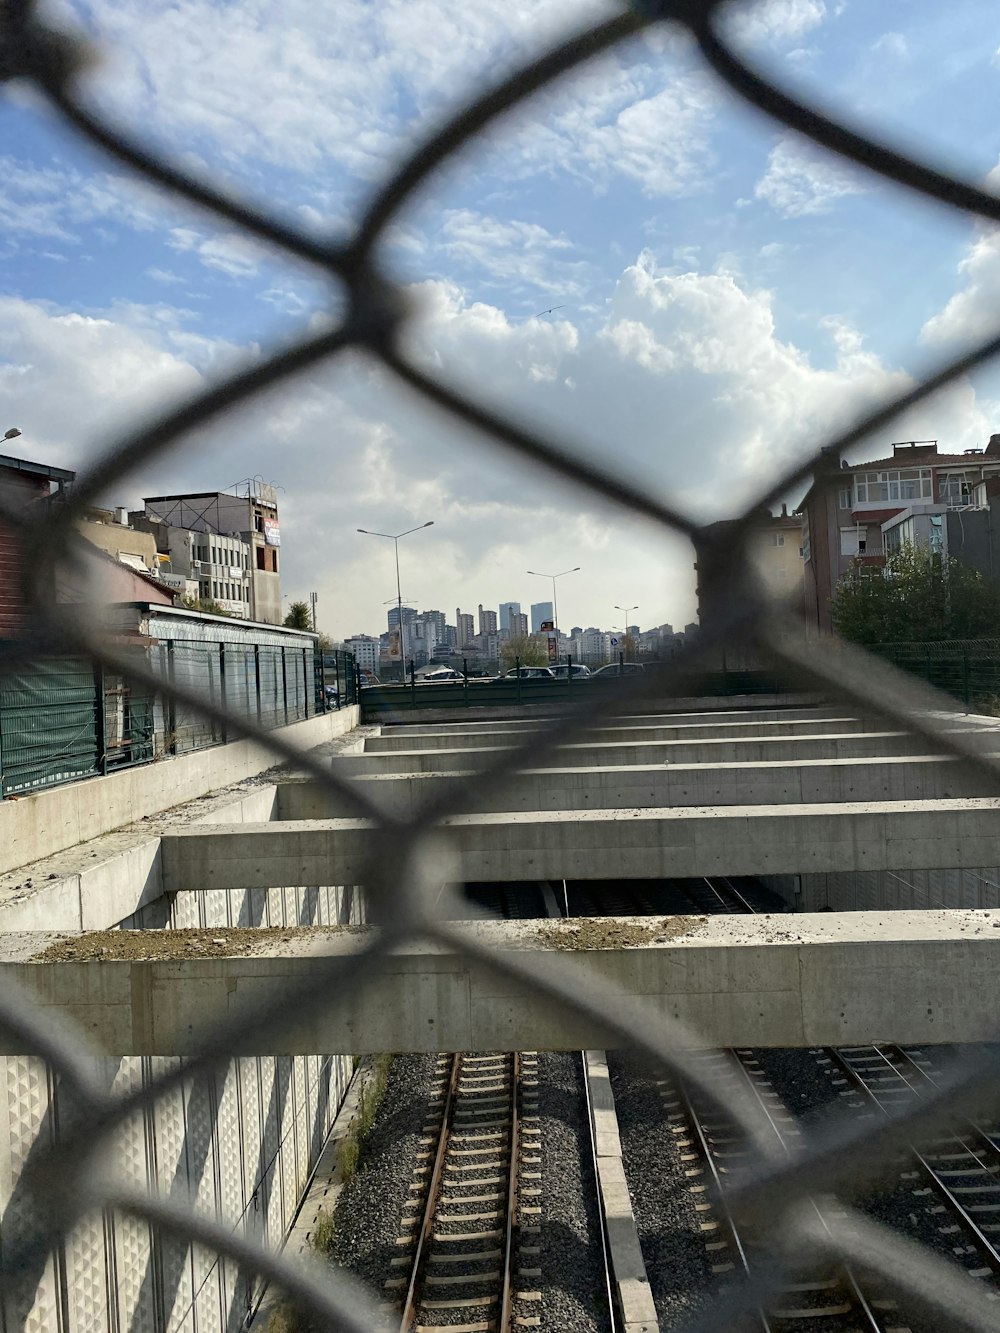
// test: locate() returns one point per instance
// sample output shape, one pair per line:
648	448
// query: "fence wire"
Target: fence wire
412	857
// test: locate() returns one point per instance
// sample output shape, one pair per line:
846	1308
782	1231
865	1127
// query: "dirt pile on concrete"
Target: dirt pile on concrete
215	941
612	933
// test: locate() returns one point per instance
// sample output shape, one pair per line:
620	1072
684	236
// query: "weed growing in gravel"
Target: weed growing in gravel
285	1319
321	1238
349	1152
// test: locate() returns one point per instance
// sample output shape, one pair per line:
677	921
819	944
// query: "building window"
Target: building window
777	538
955	489
844	500
905	484
260	558
937	534
852	541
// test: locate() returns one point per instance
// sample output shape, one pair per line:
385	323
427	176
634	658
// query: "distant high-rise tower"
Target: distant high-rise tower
487	621
506	609
465	628
540	611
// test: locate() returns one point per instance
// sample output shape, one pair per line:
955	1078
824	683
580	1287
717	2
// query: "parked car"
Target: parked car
620	669
529	673
563	669
440	673
331	695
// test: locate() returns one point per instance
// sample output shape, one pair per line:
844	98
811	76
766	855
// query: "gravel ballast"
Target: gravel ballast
573	1298
366	1222
677	1263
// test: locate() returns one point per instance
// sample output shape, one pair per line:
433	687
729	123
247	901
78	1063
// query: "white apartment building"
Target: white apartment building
366	651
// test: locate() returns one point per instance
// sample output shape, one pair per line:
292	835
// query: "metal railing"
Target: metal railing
404	877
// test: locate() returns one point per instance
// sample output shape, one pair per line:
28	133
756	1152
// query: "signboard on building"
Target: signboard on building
546	625
553	650
272	532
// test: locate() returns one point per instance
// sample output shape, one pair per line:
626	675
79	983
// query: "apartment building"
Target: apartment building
228	540
465	628
864	511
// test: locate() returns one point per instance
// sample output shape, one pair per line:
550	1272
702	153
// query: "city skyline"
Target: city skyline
686	254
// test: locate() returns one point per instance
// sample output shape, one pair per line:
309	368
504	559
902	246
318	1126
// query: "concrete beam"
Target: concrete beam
587	754
403	739
624	719
616	787
607	844
846	979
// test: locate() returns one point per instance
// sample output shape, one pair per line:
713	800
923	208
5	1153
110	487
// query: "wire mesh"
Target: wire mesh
410	862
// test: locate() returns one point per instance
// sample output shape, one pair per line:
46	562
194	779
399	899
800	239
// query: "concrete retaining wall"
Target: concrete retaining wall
42	823
889	890
241	1143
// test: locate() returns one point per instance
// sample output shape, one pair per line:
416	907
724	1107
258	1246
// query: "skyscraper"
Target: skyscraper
505	613
540	611
465	627
487	621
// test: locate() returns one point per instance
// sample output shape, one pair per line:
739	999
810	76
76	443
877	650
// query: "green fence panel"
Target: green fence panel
49	725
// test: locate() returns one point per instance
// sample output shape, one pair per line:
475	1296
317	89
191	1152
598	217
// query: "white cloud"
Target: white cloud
892	44
972	312
229	252
801	180
683	386
256	86
515	253
776	20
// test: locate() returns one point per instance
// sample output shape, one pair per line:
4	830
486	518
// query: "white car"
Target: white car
441	673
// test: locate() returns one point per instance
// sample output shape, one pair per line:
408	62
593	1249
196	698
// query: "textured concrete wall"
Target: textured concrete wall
241	1144
888	890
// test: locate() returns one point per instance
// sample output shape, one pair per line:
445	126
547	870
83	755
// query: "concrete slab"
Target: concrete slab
606	844
106	879
589	755
618	786
826	979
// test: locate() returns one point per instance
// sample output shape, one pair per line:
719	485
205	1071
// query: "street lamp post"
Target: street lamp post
626	611
555	604
395	539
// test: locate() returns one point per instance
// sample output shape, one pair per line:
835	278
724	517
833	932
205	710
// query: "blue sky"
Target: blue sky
728	293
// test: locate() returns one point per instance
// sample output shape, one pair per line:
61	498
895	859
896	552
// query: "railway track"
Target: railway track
959	1169
473	1211
718	1159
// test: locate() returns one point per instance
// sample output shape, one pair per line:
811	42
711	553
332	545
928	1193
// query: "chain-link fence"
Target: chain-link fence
403	880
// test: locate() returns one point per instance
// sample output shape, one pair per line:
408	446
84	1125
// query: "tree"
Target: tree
919	597
299	616
523	649
207	605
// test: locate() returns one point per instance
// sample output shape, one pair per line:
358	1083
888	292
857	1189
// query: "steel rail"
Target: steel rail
408	1320
859	1300
728	1221
988	1248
